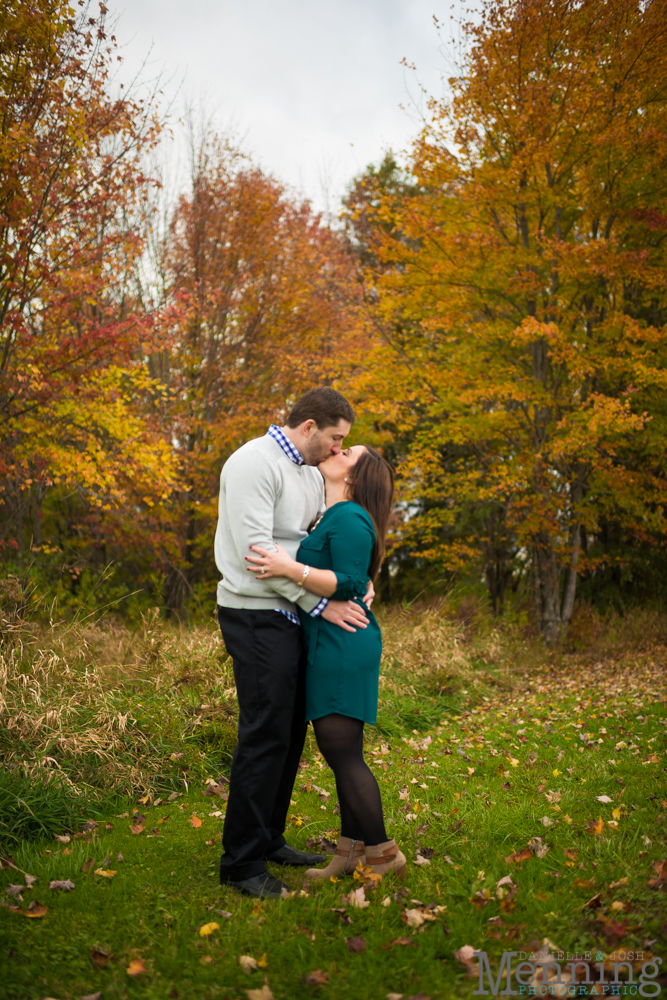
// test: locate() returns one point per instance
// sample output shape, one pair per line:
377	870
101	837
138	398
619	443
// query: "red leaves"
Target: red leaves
355	944
316	978
100	957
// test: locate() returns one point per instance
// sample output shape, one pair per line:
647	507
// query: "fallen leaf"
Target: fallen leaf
621	881
355	944
15	890
603	798
120	856
581	883
539	849
263	962
465	956
614	932
316	978
570	853
93	996
62	838
419	860
263	994
206	959
394	996
87	865
137	829
660	868
357	898
593	902
224	913
34	909
195	820
100	958
206	929
136	967
595	826
405	942
524	855
66	886
366	875
105	872
617	906
247	963
29	880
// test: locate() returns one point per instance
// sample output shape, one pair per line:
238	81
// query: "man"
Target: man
271	491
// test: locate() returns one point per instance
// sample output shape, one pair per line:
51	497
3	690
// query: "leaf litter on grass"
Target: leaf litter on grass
480	815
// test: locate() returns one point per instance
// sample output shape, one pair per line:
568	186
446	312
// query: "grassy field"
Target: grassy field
526	786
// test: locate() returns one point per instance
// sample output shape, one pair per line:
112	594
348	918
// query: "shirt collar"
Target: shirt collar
287	446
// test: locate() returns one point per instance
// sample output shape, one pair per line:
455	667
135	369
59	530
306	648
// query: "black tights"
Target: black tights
341	741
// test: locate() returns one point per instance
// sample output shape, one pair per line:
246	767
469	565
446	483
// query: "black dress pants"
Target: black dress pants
269	670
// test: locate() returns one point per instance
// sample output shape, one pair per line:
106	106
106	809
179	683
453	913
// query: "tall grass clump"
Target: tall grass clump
89	711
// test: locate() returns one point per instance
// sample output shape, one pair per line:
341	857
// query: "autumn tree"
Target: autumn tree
72	149
523	314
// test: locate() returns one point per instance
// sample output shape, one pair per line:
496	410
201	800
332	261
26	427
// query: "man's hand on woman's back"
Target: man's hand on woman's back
345	614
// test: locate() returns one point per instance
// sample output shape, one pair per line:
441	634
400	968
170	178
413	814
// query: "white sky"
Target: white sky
314	88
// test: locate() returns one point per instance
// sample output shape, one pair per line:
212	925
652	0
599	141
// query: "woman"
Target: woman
344	549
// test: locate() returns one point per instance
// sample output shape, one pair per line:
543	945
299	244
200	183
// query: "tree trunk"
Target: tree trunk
570	590
549	591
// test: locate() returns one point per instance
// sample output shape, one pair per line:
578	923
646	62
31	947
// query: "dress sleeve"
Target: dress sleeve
351	541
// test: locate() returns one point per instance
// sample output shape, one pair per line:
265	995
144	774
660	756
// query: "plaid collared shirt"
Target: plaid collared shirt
295	456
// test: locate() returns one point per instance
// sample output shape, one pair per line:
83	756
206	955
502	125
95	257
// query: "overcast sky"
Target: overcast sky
315	88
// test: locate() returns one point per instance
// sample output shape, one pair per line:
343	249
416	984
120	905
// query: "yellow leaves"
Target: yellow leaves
136	968
595	827
618	812
195	821
105	873
207	929
33	910
366	875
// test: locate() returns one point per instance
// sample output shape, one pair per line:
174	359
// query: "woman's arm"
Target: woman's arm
351	542
265	564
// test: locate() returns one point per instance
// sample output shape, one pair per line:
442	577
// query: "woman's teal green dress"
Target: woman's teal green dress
343	667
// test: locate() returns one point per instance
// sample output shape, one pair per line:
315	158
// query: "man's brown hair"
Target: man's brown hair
324	405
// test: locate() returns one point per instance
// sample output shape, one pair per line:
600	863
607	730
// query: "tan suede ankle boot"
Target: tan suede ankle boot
348	855
386	858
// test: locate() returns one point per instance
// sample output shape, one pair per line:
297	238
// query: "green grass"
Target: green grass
481	719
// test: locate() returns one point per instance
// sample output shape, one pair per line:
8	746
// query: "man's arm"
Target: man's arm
250	512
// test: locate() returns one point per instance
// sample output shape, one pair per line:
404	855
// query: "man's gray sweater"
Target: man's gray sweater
264	498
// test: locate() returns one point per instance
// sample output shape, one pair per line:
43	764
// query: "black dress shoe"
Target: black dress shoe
262	886
287	855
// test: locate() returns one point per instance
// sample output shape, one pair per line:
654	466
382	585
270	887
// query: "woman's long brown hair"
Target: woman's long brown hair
372	487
